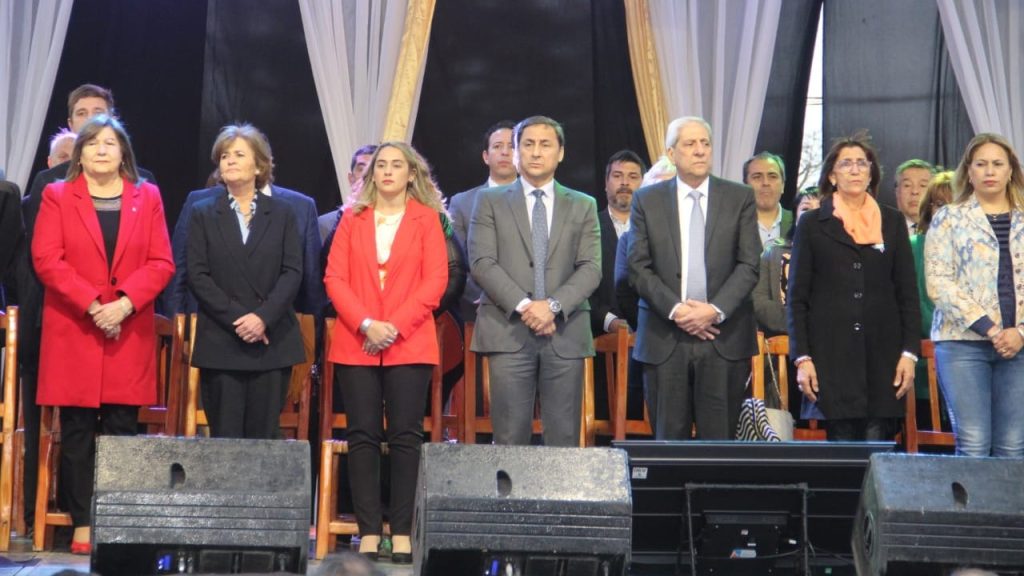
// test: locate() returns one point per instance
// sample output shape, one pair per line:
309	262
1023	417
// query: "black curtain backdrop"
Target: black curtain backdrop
886	70
782	122
257	71
492	60
151	55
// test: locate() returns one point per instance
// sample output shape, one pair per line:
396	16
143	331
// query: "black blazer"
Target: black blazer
230	279
854	309
12	231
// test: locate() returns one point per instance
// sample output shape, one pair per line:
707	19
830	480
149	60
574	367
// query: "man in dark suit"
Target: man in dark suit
622	177
12	231
311	297
694	274
535	250
84	102
497	155
328	221
766	174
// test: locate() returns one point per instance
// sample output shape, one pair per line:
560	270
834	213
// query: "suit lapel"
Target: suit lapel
832	226
976	214
260	223
560	213
672	217
230	234
517	205
131	203
715	203
87	212
366	231
406	239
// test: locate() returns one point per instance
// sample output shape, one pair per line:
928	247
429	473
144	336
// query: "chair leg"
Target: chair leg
324	513
40	539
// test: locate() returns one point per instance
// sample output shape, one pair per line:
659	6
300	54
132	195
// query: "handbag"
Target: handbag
781	420
754	425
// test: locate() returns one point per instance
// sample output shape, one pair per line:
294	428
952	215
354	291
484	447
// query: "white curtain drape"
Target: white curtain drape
31	41
985	39
715	60
353	49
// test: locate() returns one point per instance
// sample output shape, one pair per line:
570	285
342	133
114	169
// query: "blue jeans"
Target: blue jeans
985	395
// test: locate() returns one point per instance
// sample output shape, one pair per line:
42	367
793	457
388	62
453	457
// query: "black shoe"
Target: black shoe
371	556
401	557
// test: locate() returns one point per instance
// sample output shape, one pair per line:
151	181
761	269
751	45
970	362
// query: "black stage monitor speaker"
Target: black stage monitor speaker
522	511
200	505
923	514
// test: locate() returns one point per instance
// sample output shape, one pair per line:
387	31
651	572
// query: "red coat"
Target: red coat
417	276
78	365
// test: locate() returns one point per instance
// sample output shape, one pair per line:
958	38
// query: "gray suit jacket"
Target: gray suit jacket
461	209
501	261
732	249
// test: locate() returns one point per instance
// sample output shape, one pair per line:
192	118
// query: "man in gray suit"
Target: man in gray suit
693	258
535	250
497	155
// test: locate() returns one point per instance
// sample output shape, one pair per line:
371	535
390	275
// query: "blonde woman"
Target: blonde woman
386	273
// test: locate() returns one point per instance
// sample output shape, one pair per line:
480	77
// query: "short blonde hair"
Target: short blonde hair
260	148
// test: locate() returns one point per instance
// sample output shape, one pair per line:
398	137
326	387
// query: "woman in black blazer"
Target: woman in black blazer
853	314
244	267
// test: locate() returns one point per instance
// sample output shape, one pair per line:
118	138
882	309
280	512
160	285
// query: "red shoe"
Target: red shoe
81	548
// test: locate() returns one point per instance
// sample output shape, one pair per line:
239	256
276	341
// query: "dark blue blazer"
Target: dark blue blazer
311	297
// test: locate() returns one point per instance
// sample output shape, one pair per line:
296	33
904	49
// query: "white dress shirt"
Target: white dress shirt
549	204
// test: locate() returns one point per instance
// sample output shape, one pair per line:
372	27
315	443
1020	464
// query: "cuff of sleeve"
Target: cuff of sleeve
672	312
522	305
721	315
982	326
608	319
801	360
911	355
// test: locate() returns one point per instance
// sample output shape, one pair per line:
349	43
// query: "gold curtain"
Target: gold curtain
419	15
650	96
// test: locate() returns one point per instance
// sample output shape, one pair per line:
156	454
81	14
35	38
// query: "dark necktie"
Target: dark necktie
696	281
540	244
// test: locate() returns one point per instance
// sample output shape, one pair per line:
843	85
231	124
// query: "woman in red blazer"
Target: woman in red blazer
386	272
102	253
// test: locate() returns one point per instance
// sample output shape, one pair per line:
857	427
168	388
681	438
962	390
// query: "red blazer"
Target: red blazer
417	276
78	365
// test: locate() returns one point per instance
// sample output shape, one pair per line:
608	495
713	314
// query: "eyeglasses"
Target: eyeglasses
847	165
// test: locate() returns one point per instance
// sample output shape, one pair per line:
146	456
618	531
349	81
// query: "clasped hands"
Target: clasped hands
250	328
108	317
379	337
696	319
539	318
1006	341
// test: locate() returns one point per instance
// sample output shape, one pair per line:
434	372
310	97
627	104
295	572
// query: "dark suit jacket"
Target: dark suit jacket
501	261
854	309
461	208
732	250
311	297
603	300
30	290
12	230
230	279
625	295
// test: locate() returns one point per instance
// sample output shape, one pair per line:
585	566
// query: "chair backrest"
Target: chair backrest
933	435
329	419
617	348
164	417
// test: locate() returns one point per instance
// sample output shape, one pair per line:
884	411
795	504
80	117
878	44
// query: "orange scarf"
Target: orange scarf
864	225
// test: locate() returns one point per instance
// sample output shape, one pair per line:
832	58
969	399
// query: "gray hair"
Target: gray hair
672	132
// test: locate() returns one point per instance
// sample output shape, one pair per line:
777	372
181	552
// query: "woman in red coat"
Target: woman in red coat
102	254
386	272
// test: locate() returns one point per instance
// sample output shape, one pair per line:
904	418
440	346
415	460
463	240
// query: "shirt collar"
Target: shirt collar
548	188
266	190
685	188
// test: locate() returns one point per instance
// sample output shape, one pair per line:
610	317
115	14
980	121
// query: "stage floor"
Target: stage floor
21	561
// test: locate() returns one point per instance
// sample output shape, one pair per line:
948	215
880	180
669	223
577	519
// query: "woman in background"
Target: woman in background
386	273
853	312
102	253
974	276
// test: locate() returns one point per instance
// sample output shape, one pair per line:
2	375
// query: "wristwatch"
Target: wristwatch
554	305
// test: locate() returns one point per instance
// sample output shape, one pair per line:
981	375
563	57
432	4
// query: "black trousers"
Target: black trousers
78	428
372	393
244	404
861	429
695	384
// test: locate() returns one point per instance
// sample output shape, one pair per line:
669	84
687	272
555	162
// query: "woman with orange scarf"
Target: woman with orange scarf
853	313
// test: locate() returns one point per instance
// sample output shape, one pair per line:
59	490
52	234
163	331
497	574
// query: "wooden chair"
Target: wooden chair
9	326
934	435
161	418
778	348
330	523
474	424
294	416
617	349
